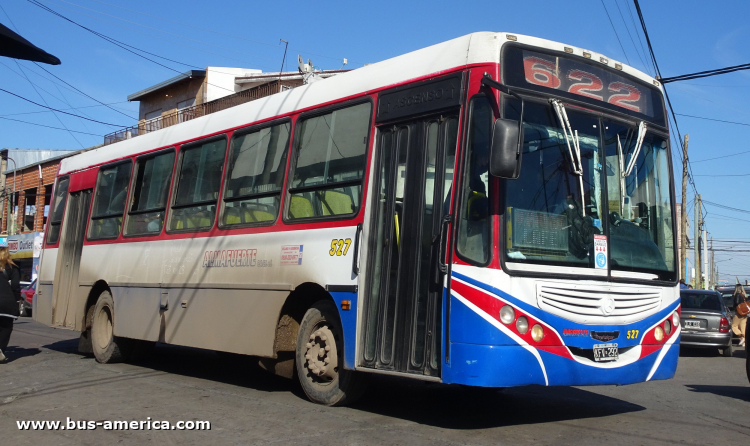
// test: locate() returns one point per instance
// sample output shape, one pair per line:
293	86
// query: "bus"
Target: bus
496	210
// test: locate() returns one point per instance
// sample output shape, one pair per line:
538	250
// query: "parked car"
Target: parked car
705	321
27	293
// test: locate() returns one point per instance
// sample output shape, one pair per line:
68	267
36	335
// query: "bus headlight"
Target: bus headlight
659	334
675	318
668	326
507	314
537	333
522	325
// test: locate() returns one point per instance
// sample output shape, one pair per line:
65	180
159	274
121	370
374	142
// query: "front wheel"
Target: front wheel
320	358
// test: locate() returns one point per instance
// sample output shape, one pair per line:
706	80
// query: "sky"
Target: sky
687	36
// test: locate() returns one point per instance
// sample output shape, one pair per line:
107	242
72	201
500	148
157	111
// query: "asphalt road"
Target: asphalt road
708	402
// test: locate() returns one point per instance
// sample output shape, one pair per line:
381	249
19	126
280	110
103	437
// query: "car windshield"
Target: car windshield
705	302
593	181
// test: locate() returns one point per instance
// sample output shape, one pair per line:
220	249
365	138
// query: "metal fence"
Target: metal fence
196	111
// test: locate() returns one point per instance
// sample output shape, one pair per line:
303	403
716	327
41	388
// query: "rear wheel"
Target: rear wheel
107	347
320	359
728	351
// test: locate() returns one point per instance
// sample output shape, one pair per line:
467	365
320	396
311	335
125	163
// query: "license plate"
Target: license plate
606	352
692	324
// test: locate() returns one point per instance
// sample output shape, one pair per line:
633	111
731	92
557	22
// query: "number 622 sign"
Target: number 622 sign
582	80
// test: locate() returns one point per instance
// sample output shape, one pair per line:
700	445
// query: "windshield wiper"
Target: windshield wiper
574	147
637	150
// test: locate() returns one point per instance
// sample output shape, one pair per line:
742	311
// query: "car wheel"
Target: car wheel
728	351
320	358
107	347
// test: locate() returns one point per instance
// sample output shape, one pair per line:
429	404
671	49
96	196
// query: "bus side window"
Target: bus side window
255	176
58	210
330	163
109	201
473	218
153	176
197	191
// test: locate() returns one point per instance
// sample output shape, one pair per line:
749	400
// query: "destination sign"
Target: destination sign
418	99
583	81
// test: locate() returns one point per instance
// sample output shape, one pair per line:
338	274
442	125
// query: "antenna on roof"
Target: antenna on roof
306	69
345	62
283	61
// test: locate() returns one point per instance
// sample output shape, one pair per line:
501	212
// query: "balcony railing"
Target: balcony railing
196	111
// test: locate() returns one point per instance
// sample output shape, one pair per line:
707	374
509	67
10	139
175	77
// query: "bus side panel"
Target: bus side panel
42	305
223	293
137	312
237	321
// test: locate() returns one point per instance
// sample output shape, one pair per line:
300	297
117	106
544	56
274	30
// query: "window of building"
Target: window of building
198	186
58	210
153	175
29	210
109	201
330	163
257	162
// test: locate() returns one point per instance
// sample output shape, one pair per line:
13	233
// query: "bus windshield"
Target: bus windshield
595	180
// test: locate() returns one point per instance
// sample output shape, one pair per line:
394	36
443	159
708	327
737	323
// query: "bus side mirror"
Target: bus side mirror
505	151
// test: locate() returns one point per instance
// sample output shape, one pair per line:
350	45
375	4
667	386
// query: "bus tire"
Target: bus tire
322	381
107	347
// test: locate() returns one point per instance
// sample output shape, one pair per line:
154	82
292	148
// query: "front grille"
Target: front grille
598	304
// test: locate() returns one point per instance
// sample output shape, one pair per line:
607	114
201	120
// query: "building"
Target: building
196	93
26	178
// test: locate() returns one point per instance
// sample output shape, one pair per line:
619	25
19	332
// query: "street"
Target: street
46	379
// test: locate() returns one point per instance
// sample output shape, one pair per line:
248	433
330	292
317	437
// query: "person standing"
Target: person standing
10	295
739	322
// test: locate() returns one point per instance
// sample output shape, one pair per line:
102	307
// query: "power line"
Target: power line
73	108
48	126
723	156
744	211
707	73
152	28
666	94
208	30
712	119
124	45
635	27
616	35
45	101
79	91
60	111
627	28
724	175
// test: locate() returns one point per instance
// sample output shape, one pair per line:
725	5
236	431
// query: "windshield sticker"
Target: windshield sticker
291	255
600	251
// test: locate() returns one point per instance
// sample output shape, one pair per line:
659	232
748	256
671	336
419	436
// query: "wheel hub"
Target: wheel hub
321	355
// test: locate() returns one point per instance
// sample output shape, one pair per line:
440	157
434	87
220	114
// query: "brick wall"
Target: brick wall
28	178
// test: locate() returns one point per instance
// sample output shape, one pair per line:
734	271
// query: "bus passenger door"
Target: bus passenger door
411	196
65	287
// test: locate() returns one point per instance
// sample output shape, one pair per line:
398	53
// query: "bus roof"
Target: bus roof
475	48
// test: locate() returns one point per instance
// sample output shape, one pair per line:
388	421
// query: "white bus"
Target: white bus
495	210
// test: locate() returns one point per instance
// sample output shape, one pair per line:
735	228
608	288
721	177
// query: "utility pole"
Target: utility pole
697	231
705	259
713	266
683	211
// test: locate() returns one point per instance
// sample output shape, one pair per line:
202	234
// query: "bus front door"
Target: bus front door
411	196
65	288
